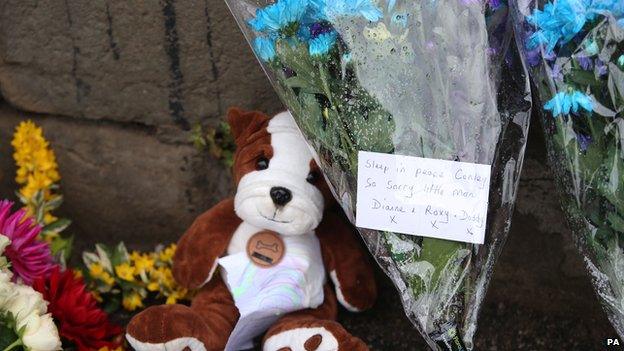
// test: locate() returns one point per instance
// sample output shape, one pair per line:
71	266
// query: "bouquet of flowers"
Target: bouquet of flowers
434	80
44	305
127	279
575	50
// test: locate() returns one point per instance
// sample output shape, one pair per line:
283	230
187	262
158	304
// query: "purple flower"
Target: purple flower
30	258
584	141
555	73
317	29
585	62
534	56
601	68
494	3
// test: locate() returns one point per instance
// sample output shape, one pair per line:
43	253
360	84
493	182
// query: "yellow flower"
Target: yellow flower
49	218
135	255
143	263
153	286
97	296
132	301
107	279
166	255
37	170
125	272
96	270
175	296
171	299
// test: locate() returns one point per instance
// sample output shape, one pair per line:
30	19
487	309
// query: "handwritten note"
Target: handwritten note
422	196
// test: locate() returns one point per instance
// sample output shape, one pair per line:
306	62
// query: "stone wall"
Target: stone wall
117	85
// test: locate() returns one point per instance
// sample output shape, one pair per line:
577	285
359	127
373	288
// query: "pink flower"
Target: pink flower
29	257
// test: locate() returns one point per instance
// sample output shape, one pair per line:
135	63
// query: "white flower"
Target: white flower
7	289
25	302
28	308
4	242
41	333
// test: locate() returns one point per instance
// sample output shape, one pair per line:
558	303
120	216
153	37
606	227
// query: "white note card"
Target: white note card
422	196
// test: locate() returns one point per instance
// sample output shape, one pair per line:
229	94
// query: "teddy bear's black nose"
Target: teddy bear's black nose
280	195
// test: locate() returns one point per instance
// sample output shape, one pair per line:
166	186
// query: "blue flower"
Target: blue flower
558	22
621	60
365	8
322	44
591	47
265	48
279	15
566	102
562	20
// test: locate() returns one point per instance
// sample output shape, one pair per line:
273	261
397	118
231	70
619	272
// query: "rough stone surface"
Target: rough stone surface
121	183
159	63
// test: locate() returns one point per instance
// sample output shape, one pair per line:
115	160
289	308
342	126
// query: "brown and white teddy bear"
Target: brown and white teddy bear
275	243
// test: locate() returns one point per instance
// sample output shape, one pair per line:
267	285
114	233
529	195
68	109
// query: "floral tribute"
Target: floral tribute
38	178
45	305
430	79
575	51
118	277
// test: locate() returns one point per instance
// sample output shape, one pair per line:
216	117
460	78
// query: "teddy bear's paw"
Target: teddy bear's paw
313	336
166	328
180	344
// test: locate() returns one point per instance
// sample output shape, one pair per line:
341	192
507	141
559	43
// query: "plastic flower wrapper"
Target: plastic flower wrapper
575	51
436	80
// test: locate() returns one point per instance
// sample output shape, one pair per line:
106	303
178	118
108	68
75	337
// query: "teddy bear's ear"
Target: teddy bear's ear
242	122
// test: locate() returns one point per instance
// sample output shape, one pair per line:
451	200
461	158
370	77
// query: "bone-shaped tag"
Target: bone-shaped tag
263	246
266	249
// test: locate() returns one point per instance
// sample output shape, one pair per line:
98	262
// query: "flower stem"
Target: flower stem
17	343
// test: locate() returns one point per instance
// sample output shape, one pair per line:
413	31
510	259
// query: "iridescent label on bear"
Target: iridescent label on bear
421	196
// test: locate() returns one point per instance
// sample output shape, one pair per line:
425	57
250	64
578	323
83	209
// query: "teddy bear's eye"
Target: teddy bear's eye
262	163
312	177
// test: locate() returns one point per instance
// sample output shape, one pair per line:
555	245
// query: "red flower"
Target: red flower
75	310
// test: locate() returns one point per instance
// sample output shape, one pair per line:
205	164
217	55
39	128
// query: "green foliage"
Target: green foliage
9	338
54	231
218	141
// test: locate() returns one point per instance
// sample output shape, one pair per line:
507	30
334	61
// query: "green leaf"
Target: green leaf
119	255
584	78
616	221
296	57
54	203
304	85
62	246
104	256
438	252
57	226
7	335
112	303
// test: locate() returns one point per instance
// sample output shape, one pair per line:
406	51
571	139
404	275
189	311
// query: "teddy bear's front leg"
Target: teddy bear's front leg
205	326
312	330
